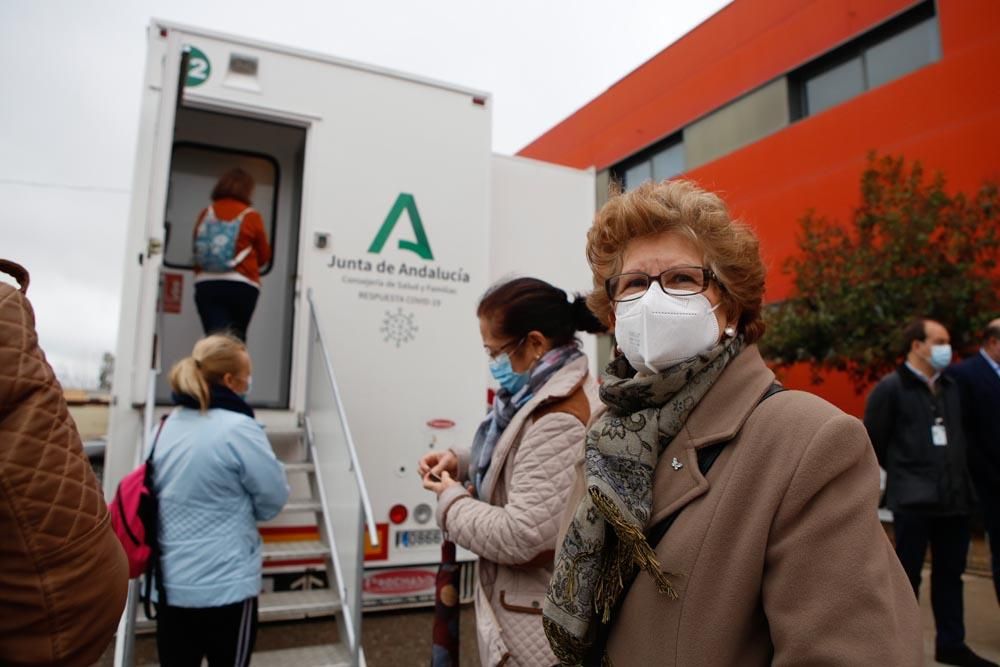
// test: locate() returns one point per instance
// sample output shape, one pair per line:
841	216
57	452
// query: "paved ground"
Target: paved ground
982	617
390	639
401	639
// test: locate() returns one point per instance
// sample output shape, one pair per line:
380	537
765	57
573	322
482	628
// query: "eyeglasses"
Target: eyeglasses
677	281
503	348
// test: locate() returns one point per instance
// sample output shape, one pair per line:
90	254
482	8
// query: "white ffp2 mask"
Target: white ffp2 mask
661	330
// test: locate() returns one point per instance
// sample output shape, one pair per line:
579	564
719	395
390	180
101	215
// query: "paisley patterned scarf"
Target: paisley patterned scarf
644	414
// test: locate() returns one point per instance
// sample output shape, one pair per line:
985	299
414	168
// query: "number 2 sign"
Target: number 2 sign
199	68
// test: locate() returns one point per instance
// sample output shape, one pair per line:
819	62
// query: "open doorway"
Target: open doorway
206	144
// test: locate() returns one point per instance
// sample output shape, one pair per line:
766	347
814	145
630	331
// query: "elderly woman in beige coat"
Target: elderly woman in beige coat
717	520
502	498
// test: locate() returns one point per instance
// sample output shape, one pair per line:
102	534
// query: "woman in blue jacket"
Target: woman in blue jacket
216	477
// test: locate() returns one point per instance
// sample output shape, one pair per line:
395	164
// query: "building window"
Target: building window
840	82
903	53
743	121
669	162
890	51
638	174
663	160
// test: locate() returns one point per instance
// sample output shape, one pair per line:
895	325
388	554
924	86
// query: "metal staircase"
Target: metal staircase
328	490
304	507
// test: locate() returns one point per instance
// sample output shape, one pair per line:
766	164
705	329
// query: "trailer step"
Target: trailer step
304	467
288	445
279	606
323	655
287	605
304	505
326	655
284	434
294	550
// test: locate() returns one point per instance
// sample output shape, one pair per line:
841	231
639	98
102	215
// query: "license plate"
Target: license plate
409	539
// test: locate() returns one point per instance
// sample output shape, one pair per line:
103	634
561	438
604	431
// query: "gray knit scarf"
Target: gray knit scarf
622	449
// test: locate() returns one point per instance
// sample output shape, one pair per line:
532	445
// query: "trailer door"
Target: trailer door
540	216
206	145
166	67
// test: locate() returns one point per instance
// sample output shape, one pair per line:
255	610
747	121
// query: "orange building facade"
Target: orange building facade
775	105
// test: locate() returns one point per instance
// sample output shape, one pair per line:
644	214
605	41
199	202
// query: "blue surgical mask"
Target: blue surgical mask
940	356
504	374
249	387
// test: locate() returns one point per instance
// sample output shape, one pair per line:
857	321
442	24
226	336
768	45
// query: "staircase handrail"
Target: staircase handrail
124	655
352	450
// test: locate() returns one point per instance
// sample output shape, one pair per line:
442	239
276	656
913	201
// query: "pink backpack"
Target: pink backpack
134	520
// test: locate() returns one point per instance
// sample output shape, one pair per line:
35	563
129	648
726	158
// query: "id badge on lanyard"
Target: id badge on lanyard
939	436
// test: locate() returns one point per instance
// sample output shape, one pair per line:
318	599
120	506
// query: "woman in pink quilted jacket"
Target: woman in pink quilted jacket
502	497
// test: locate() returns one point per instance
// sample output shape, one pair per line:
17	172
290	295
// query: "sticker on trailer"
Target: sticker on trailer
199	67
173	292
435	427
399	587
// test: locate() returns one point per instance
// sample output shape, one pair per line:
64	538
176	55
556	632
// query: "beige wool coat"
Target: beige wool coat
779	555
514	531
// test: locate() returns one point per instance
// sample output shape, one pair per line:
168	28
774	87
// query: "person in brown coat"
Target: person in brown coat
63	574
716	520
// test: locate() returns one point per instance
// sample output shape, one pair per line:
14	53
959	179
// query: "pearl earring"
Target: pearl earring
730	331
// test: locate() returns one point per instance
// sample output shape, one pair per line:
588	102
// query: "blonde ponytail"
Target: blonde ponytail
212	357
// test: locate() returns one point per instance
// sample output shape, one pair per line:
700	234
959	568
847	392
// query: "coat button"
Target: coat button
534	603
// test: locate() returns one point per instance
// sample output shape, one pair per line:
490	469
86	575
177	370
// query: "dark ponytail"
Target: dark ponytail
583	318
516	307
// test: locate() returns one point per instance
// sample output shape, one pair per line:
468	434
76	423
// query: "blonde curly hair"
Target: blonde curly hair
729	247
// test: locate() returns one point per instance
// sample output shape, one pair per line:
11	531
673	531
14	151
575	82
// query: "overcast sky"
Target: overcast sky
71	78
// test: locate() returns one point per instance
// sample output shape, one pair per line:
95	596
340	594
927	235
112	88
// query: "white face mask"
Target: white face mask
660	330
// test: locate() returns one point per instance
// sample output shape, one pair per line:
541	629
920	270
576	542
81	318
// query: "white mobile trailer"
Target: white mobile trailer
389	217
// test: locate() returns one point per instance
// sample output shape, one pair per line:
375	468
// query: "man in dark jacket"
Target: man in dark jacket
979	379
914	419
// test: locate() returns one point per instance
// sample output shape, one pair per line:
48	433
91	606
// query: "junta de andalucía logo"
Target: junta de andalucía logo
420	245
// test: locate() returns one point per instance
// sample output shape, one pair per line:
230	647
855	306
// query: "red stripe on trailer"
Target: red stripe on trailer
289	533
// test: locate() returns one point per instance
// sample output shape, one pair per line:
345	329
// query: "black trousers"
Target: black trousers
948	537
225	305
224	635
989	499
